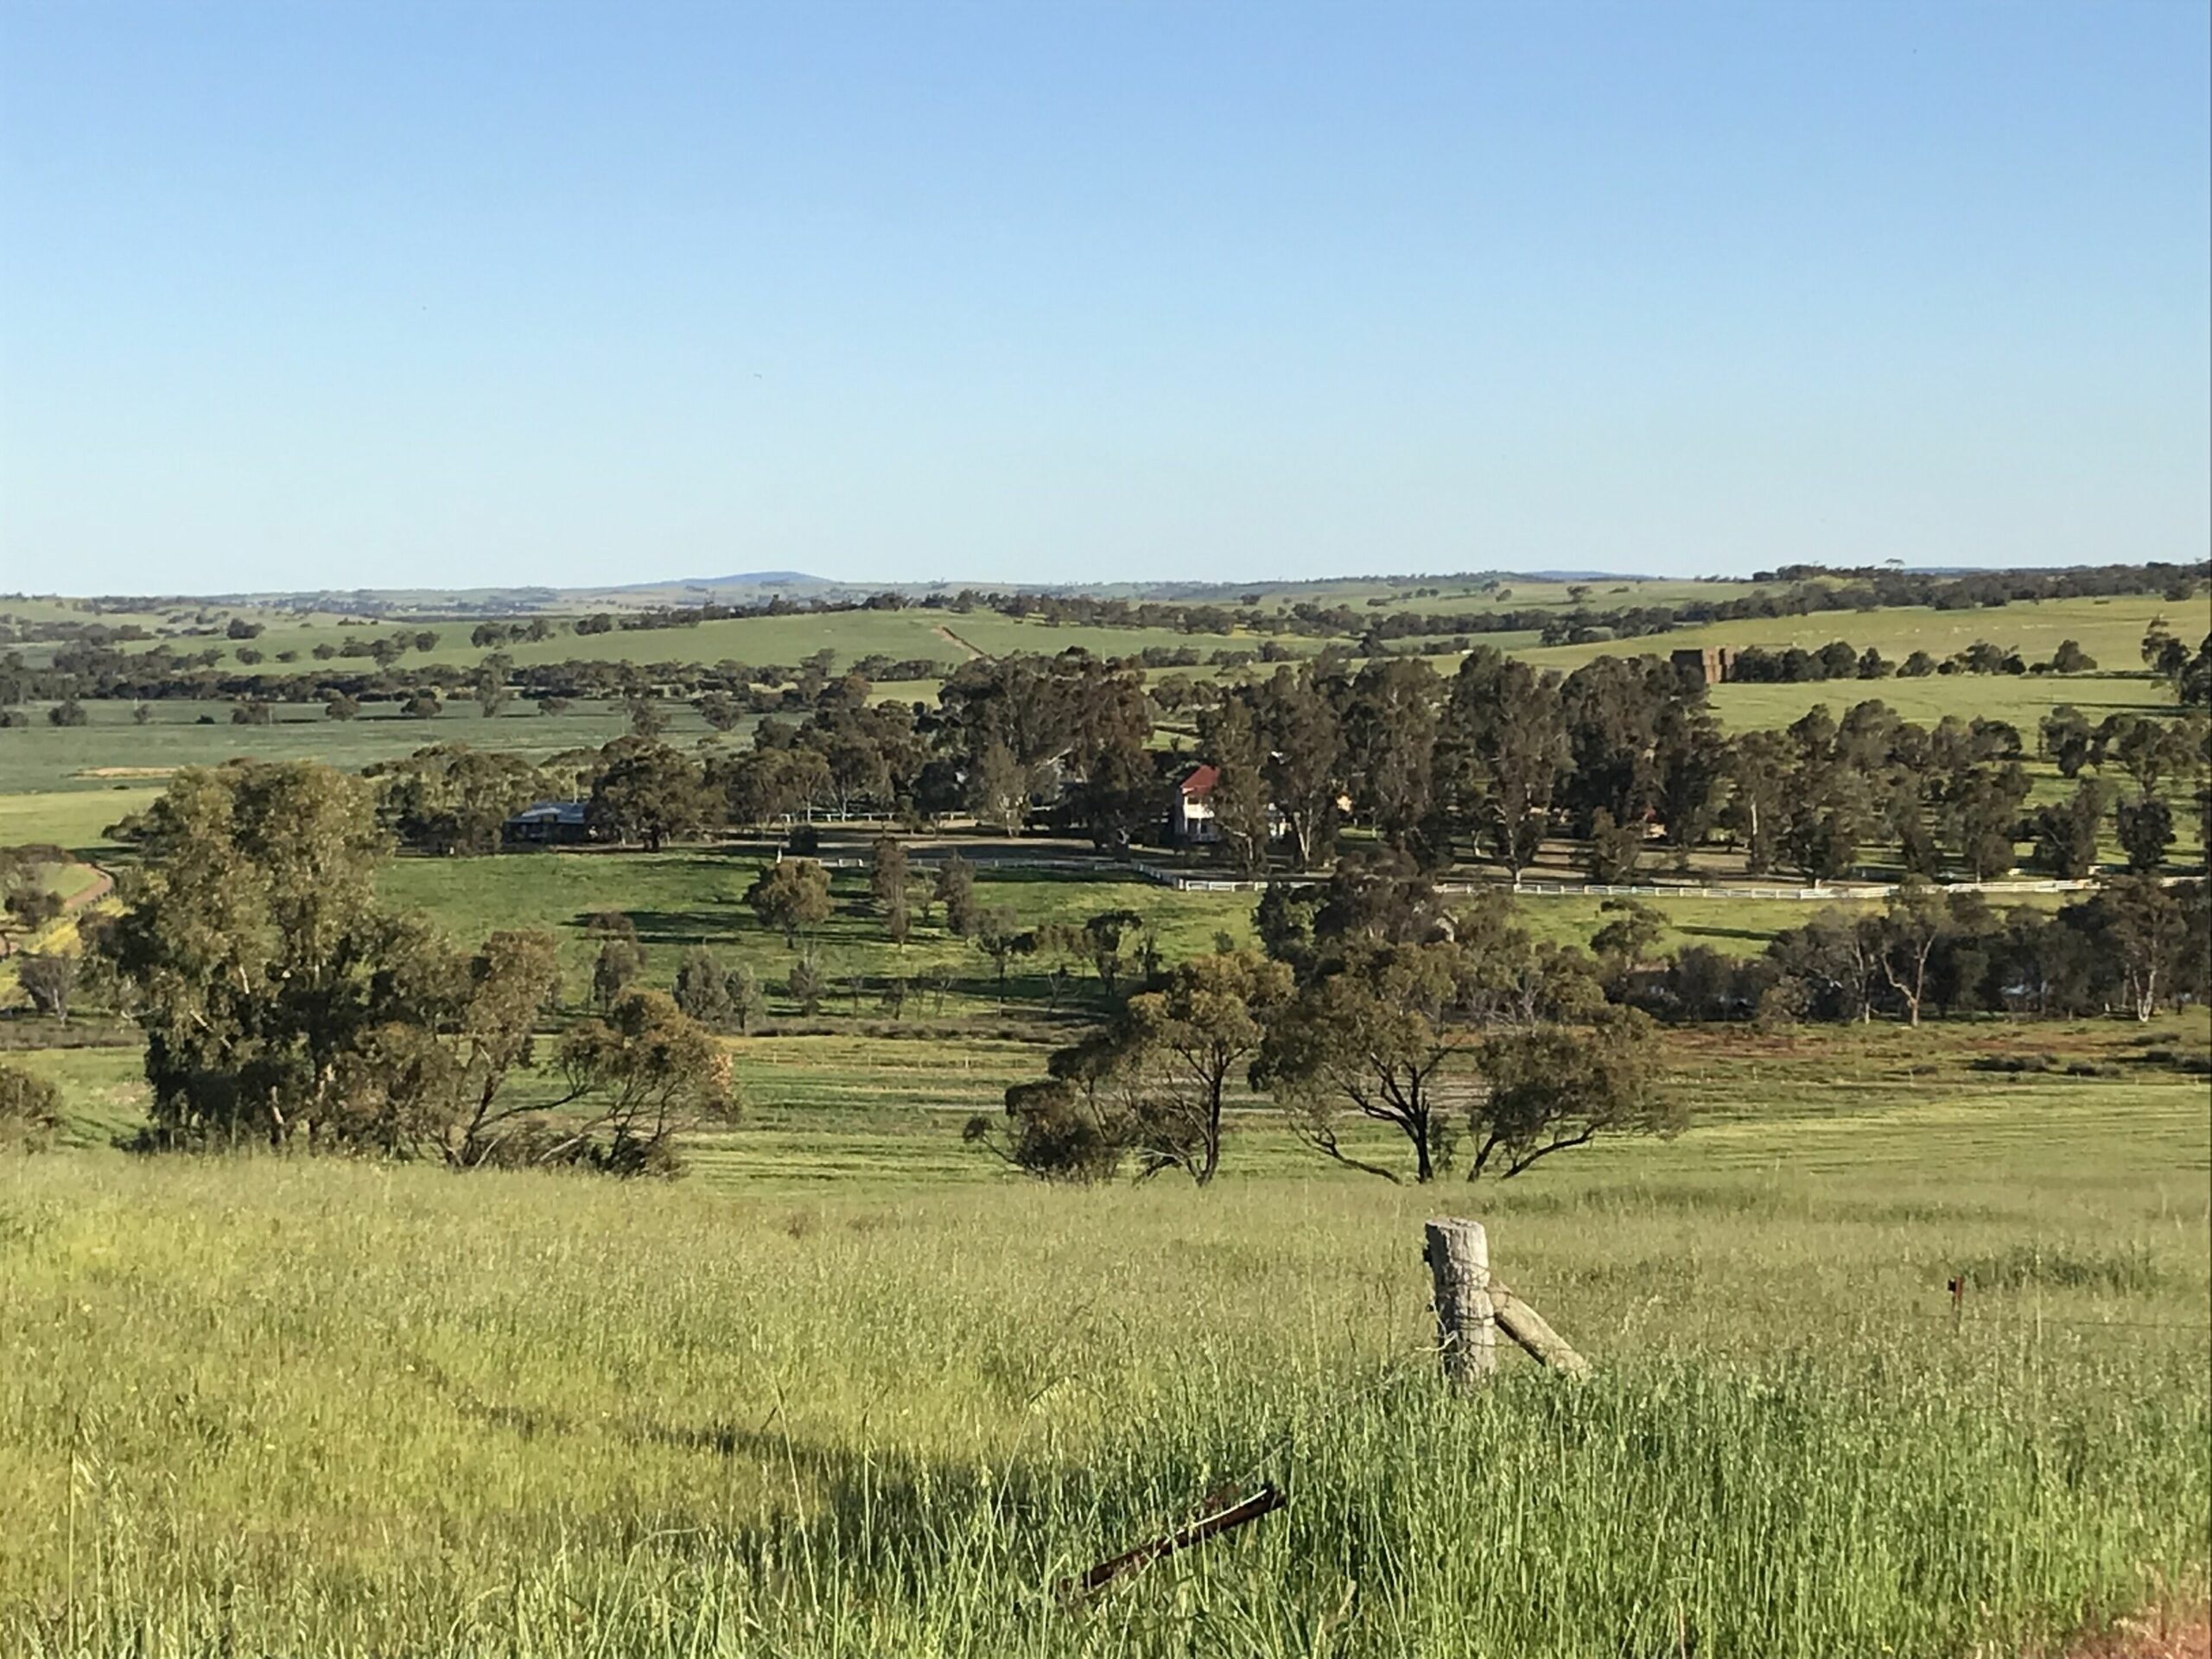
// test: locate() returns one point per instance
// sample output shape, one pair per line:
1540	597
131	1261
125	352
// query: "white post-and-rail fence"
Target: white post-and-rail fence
1178	881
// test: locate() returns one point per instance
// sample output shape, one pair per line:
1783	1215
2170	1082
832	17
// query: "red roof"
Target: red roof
1199	781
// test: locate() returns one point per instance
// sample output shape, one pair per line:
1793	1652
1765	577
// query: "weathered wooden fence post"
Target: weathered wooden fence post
1466	1323
1474	1305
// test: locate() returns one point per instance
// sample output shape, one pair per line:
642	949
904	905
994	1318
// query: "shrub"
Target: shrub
31	1110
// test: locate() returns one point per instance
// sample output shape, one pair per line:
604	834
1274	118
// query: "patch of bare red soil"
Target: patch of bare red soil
2151	1636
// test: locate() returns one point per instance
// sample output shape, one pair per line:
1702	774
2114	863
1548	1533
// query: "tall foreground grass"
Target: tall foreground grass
320	1408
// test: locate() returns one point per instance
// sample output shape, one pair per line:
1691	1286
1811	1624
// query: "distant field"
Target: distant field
111	752
71	818
939	636
2110	630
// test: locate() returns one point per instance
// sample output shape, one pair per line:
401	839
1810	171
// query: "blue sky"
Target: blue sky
312	295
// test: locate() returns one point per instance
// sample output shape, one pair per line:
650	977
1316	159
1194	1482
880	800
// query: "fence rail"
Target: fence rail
1181	882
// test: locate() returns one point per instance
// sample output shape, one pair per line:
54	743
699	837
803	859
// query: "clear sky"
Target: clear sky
314	294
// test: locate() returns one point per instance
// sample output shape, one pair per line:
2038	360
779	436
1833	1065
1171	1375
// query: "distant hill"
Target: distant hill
744	579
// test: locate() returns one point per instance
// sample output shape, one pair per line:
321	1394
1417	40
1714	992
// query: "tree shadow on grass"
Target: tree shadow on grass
1704	930
878	1509
694	925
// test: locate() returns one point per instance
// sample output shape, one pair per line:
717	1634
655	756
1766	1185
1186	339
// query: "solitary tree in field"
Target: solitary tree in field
1188	1038
1071	1125
998	936
1377	1035
887	886
48	980
1553	1087
1104	942
27	903
956	891
806	984
1628	937
702	988
790	895
748	1002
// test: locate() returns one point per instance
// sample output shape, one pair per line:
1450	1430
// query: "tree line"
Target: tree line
1456	1037
1622	757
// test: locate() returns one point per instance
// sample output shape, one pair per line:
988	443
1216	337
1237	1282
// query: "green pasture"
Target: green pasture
2111	630
692	897
112	751
71	819
678	899
318	1407
941	636
2023	700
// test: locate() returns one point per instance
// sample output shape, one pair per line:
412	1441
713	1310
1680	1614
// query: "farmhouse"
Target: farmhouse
549	823
1190	812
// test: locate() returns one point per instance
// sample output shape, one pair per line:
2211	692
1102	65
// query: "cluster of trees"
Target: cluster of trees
1624	755
1458	1034
1838	660
283	1003
2135	945
1798	590
1006	734
162	674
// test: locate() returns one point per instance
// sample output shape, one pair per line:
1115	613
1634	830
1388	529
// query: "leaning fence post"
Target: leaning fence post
1466	1323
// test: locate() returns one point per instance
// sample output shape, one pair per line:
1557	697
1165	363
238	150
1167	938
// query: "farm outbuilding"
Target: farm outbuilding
549	823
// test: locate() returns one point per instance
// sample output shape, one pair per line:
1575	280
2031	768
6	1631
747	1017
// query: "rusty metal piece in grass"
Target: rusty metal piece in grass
1265	1501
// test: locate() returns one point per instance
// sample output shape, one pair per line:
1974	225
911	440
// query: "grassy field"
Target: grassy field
941	636
2110	630
853	1388
682	899
318	1408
